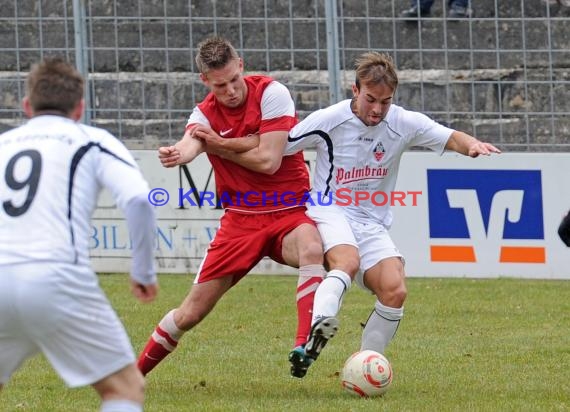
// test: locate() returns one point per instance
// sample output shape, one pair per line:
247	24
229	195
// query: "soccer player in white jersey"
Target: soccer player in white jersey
359	144
52	170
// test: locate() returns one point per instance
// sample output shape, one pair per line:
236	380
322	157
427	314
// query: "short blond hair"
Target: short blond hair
374	68
214	53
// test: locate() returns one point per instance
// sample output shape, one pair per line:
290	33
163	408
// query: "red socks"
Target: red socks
309	278
162	341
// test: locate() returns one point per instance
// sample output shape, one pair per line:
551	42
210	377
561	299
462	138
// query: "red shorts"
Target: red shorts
243	239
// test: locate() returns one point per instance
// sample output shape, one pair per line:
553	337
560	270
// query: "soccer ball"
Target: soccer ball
367	373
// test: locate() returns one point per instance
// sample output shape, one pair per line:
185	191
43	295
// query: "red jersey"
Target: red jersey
240	188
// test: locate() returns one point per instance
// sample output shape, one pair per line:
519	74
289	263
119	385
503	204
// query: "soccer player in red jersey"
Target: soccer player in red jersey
270	221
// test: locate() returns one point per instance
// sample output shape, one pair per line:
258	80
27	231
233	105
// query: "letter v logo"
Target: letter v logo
486	215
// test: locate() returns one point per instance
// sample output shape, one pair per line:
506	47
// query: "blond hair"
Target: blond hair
374	68
215	53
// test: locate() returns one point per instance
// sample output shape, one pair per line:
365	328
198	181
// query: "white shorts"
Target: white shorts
372	240
59	309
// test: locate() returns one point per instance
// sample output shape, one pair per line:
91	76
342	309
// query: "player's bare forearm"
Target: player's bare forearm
183	152
189	148
217	144
266	157
252	159
236	145
467	145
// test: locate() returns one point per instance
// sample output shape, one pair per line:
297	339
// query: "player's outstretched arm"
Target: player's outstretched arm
467	145
183	152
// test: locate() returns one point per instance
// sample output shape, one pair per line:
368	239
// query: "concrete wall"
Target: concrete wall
500	76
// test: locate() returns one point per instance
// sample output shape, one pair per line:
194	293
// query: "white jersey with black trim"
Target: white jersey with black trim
51	171
353	158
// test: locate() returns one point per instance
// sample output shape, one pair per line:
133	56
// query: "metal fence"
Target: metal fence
502	74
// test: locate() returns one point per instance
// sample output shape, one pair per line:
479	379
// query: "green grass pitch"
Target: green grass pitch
464	345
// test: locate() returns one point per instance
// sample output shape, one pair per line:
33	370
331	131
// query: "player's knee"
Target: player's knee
311	252
309	244
400	295
395	296
396	285
349	263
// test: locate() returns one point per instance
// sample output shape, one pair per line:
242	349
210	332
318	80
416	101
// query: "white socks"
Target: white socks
120	405
381	327
330	292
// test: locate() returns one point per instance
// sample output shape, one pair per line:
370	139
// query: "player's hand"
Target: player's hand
213	141
183	152
482	148
169	156
144	293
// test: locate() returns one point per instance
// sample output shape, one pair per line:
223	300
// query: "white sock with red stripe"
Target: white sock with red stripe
309	278
162	342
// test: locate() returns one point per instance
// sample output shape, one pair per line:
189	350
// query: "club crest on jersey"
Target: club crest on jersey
379	151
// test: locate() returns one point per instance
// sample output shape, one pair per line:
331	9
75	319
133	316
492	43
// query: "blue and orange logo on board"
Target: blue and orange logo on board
496	209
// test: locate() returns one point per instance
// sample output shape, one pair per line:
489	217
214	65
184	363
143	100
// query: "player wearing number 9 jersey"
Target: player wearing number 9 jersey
51	172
